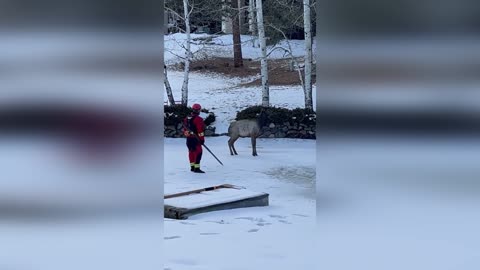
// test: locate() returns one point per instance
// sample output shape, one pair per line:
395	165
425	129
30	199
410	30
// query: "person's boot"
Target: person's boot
192	168
197	170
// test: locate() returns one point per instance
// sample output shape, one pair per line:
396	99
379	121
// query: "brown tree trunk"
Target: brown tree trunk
237	44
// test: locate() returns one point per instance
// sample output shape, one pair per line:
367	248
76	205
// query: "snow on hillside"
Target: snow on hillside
221	46
246	238
223	97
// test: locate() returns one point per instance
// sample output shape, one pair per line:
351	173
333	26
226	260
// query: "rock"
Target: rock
272	136
280	134
179	126
272	125
303	132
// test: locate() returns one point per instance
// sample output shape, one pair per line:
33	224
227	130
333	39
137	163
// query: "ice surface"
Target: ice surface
278	236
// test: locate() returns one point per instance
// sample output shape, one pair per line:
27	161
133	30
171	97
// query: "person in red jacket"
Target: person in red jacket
195	137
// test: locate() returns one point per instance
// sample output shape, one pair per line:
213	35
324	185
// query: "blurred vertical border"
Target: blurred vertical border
81	134
398	125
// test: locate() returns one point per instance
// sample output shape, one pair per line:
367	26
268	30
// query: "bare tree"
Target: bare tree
188	52
251	17
308	54
252	22
289	51
168	88
237	43
263	63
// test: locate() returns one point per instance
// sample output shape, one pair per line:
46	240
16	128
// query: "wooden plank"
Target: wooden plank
183	207
199	191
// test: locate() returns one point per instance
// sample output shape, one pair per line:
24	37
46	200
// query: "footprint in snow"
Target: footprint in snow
187	223
246	218
218	222
171	237
253	230
278	216
284	221
261	224
209	233
300	215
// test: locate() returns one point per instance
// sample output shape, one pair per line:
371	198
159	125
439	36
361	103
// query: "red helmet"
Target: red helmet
196	107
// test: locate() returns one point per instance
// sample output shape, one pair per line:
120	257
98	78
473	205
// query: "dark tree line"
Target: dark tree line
346	17
205	13
108	13
286	15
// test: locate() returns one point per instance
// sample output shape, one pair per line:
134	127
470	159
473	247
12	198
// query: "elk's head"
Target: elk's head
262	118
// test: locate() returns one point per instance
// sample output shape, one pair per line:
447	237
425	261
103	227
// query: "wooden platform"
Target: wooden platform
224	198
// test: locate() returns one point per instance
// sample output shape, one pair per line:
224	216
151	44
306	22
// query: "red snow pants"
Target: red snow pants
194	151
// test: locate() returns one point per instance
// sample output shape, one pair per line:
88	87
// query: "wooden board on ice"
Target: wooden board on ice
219	199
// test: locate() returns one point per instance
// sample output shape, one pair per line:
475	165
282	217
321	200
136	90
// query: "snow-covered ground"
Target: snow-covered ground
221	46
278	236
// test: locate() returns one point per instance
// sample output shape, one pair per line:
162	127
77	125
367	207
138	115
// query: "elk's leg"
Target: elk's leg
230	146
233	146
254	146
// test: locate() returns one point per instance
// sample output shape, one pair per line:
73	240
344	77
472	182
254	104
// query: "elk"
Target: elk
246	128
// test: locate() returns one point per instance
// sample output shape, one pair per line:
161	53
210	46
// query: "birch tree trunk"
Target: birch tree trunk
237	43
251	17
308	54
188	54
263	47
252	22
168	88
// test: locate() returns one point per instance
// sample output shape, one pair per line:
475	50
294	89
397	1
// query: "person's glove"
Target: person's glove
202	142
